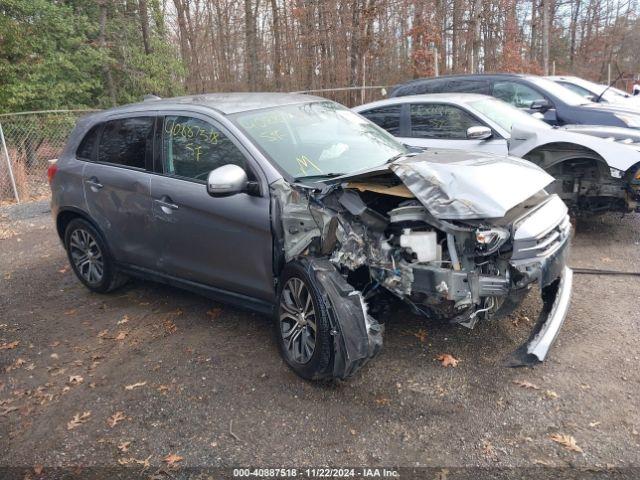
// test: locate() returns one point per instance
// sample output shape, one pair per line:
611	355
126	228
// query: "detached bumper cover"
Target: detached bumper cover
556	298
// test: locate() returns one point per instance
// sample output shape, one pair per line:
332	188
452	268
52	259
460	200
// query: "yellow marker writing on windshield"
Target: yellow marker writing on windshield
304	163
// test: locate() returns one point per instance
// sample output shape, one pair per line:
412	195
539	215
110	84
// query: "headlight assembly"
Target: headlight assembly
490	240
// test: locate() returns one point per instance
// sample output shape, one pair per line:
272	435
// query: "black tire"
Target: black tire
109	278
320	363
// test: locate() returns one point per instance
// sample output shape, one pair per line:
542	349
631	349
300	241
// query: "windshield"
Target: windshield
320	139
561	93
506	115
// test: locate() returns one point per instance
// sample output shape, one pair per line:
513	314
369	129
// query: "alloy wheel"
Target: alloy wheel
87	256
297	321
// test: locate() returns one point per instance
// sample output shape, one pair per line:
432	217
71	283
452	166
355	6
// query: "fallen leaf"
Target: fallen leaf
383	401
421	335
169	327
55	356
352	431
77	420
526	384
64	269
103	333
213	444
594	424
124	320
38	469
116	418
547	463
567	441
124	447
121	335
70	312
10	345
214	312
163	388
127	461
54	344
172	458
75	379
447	360
550	394
135	385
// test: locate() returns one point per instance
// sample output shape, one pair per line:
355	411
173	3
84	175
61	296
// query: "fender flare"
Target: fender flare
551	154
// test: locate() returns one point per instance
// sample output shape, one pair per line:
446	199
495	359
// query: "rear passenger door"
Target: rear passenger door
224	242
116	187
440	125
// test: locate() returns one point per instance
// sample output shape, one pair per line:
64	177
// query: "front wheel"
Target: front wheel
302	326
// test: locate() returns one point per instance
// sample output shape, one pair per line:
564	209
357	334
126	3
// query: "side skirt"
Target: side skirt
223	296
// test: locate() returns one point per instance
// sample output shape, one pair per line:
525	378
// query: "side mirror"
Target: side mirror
226	180
478	133
540	105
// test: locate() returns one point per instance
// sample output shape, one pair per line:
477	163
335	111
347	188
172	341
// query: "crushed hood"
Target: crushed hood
462	185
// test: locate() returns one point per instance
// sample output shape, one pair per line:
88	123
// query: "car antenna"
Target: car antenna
609	86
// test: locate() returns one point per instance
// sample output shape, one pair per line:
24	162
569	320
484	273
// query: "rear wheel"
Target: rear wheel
302	325
90	258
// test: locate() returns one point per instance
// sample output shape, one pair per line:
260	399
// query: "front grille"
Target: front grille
542	232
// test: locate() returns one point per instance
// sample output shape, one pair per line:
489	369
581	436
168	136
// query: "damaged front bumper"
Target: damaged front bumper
556	298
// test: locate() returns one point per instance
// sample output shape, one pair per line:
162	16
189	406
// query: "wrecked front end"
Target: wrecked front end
424	234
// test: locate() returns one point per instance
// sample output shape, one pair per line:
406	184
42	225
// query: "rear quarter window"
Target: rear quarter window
86	149
418	88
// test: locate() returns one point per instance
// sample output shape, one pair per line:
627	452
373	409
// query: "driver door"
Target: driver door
223	242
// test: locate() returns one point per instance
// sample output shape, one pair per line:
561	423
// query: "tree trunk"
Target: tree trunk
144	25
546	27
277	53
102	42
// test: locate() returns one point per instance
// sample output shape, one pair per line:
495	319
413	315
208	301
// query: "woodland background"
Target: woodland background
98	53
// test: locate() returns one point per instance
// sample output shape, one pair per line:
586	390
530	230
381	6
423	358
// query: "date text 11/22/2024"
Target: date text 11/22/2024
316	472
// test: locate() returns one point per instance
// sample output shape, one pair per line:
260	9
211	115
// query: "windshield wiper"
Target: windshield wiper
315	177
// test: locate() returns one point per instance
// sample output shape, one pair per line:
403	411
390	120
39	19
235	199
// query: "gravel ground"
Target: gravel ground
161	371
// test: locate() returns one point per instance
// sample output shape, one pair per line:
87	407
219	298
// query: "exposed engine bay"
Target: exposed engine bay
405	233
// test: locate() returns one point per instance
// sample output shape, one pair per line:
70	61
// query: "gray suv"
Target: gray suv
294	206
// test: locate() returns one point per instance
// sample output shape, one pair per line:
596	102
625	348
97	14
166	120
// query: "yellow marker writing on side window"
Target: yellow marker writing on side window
304	163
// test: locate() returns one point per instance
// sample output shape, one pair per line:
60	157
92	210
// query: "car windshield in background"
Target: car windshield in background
506	115
563	93
320	139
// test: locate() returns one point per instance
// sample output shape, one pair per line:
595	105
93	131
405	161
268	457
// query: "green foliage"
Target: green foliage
45	58
51	55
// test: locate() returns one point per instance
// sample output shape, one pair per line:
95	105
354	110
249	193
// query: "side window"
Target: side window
88	143
418	88
583	92
127	142
193	147
468	86
516	94
385	117
440	121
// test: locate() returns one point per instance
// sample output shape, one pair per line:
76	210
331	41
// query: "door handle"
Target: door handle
166	204
94	184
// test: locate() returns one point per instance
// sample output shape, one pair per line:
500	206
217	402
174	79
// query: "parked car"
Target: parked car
592	174
295	206
596	92
554	103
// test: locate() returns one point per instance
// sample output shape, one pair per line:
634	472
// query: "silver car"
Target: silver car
593	175
295	206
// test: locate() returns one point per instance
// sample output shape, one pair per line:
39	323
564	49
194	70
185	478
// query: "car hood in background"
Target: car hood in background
626	109
629	137
462	185
617	155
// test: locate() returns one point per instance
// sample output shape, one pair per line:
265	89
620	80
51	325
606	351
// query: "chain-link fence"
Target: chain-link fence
28	140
